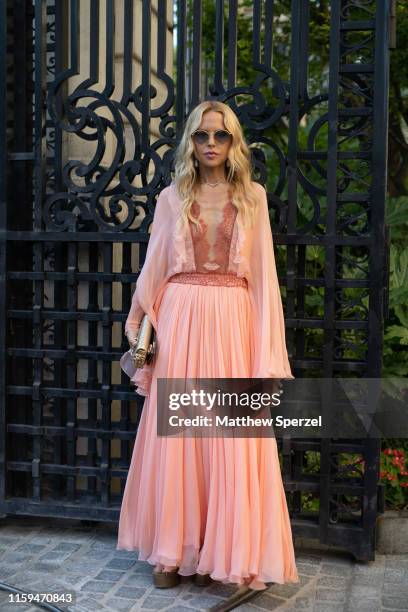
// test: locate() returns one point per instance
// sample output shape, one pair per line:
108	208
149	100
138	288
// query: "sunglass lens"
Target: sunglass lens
200	137
222	136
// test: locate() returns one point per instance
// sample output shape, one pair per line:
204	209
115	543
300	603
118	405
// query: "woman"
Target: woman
214	508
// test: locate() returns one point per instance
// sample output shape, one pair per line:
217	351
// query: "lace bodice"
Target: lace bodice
212	241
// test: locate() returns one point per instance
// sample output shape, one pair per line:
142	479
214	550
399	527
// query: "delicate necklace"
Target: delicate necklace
213	184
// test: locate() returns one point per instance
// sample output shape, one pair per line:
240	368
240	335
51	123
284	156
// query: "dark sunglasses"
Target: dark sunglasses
201	137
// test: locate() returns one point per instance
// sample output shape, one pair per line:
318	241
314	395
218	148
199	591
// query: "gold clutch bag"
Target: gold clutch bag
145	348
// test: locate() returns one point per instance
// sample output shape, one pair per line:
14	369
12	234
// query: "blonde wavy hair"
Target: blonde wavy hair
239	174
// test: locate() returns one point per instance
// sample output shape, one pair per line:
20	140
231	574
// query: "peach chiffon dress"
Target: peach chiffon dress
206	505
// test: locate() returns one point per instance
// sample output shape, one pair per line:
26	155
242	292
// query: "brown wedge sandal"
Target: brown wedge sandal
202	579
166	580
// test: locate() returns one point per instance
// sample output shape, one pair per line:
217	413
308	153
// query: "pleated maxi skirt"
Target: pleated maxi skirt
206	505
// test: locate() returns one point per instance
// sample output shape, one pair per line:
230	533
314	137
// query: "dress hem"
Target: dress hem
258	582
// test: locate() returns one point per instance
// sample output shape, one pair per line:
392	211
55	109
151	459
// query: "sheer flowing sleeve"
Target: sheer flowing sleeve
151	280
155	268
270	355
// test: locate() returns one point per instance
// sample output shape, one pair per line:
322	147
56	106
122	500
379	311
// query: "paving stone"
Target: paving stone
94	556
303	581
339	559
44	566
359	591
391	589
394	603
31	548
141	567
51	566
396	561
138	580
334	582
330	595
322	607
202	602
28	576
96	586
125	553
85	538
217	588
308	558
110	575
368	569
117	604
7	571
56	557
367	605
7	540
89	604
331	569
83	562
83	565
13	607
41	540
47	586
155	603
99	543
395	575
266	602
308	569
394	606
303	603
130	592
4	596
67	547
16	558
248	607
368	580
72	579
285	590
180	608
116	563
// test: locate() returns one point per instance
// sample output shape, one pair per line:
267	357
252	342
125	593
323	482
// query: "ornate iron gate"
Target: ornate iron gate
92	111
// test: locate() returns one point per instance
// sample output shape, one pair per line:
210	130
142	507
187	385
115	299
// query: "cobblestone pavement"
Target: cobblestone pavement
49	555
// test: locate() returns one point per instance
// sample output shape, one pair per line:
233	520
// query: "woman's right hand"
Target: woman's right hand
132	336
